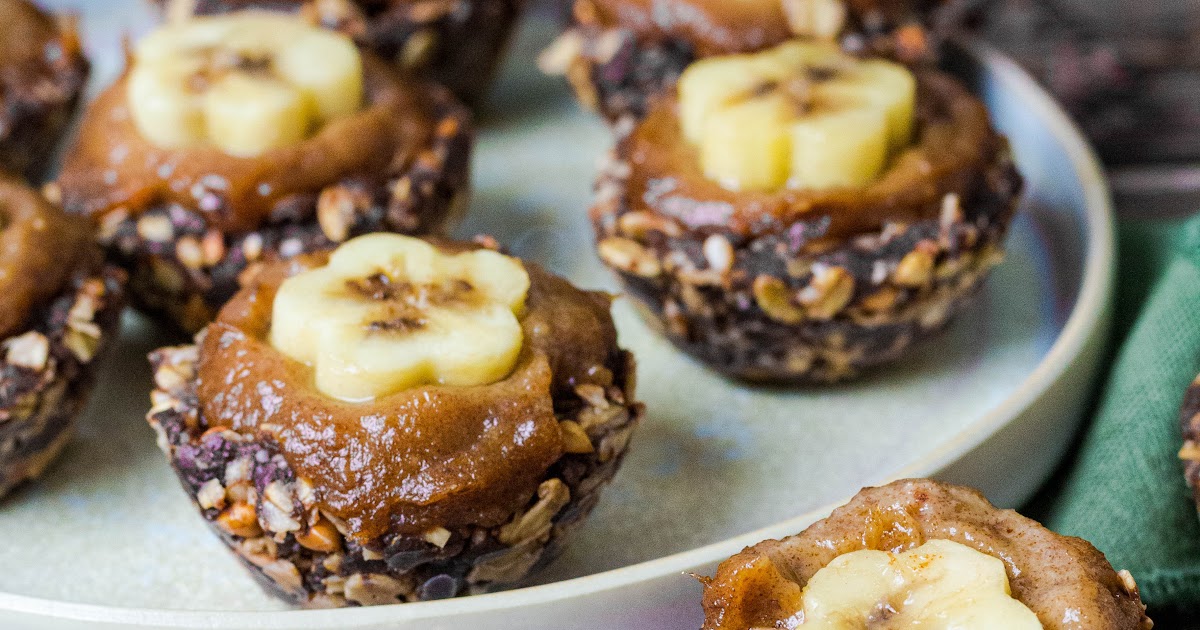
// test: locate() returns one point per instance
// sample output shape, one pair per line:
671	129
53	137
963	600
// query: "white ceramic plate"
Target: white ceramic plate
107	539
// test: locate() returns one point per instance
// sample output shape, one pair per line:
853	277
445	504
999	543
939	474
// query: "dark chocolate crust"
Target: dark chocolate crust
790	307
47	372
618	73
252	499
458	43
183	270
38	100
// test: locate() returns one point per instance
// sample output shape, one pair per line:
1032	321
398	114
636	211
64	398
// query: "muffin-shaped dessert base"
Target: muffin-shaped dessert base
186	226
42	74
1066	582
809	287
458	43
272	516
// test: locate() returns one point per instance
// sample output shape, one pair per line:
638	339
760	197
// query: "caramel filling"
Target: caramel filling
112	167
423	457
39	249
953	143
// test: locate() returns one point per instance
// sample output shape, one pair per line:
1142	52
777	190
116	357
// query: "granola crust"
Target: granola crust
252	499
47	372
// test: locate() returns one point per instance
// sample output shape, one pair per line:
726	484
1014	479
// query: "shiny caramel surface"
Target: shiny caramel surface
425	457
954	142
40	247
1065	581
113	167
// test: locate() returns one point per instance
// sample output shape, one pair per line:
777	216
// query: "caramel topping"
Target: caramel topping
954	141
40	247
112	167
424	457
1065	581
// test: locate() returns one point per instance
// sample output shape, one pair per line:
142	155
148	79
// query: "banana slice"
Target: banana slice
941	585
392	312
842	118
244	82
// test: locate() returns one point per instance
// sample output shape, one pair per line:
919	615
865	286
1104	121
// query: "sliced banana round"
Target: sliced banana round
803	115
941	585
391	312
244	82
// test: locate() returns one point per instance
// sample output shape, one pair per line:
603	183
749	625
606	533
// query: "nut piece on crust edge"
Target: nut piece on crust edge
42	74
292	143
458	43
800	216
1053	582
60	310
455	489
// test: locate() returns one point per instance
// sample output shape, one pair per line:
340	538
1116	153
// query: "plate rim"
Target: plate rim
1088	314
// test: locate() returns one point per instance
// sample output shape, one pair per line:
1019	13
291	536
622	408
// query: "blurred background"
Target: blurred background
1129	72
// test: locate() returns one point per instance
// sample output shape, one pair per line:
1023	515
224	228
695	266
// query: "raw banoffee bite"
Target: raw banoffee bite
800	214
251	137
59	310
458	43
621	54
922	554
42	74
397	420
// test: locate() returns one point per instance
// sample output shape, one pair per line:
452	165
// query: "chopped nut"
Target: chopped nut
213	247
285	574
882	300
915	269
252	246
951	210
593	394
418	49
240	519
575	439
830	291
438	536
188	251
30	350
238	470
322	536
156	228
211	495
1190	451
1128	582
373	589
277	508
773	297
815	18
629	256
52	192
719	253
639	224
553	495
335	213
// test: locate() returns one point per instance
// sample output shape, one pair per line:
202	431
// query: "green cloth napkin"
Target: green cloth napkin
1124	489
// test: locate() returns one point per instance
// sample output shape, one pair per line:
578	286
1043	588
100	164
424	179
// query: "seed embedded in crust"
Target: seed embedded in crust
553	495
211	495
30	350
719	253
915	269
321	537
629	256
240	519
373	589
437	536
156	228
575	439
830	291
775	299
